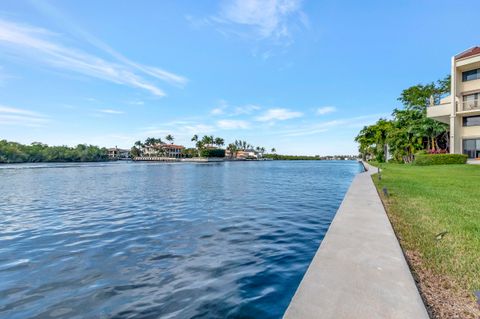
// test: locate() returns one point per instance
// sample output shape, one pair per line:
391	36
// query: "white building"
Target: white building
461	109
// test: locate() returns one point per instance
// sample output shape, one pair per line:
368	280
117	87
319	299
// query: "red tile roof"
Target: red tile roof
468	53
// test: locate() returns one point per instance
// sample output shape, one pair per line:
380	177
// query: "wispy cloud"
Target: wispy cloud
20	117
278	114
67	23
220	109
136	102
43	46
246	109
326	110
267	18
182	128
110	111
233	124
316	128
217	111
224	108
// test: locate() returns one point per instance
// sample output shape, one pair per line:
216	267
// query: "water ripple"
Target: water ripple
147	240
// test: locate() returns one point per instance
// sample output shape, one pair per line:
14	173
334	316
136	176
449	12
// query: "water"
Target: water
145	240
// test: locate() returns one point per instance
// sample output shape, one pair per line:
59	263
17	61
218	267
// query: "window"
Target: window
471	121
471	75
470	101
471	148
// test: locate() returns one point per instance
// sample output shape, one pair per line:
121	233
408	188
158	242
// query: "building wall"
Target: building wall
471	131
458	90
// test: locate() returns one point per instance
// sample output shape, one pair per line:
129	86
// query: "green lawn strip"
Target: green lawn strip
425	201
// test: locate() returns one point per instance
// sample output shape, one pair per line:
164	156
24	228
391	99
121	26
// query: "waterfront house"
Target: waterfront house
164	150
248	154
116	153
461	109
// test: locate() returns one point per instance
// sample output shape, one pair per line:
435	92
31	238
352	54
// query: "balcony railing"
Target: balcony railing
471	105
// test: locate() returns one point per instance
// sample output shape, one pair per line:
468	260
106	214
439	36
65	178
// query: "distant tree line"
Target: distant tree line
410	130
12	152
308	158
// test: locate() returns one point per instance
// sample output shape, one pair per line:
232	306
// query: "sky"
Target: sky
299	76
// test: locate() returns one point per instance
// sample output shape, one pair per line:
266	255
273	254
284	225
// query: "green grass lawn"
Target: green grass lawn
425	201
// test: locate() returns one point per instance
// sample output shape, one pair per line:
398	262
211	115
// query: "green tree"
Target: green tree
219	141
170	138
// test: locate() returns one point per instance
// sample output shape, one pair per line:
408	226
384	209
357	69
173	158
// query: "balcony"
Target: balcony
440	112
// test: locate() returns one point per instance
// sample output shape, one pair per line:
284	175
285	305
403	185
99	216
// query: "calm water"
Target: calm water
125	240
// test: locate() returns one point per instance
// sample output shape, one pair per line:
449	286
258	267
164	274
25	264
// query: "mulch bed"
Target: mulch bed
442	298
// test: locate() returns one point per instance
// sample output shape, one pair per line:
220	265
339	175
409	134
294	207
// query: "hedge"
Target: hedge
439	159
215	152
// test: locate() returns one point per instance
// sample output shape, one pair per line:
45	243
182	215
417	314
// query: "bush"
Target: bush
439	159
215	152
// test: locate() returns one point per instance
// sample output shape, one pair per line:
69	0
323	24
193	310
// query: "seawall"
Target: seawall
359	271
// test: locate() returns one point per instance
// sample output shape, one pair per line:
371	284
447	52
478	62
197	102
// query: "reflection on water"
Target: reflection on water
144	240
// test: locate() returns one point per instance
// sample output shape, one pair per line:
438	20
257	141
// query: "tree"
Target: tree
219	141
149	141
410	130
135	152
233	150
169	138
273	150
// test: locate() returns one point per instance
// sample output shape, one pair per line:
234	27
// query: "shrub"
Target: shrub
439	159
437	151
395	161
215	152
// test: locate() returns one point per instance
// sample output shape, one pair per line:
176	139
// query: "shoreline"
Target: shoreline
359	270
174	161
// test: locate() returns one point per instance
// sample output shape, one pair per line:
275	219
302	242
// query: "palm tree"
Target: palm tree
233	150
219	141
207	140
194	138
150	141
273	150
169	138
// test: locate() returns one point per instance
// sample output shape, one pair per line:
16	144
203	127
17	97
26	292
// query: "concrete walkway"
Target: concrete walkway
359	270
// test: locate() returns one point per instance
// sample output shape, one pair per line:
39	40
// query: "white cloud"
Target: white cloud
182	128
217	111
353	122
278	114
136	102
66	23
220	109
233	124
268	18
224	108
20	117
110	111
246	109
37	44
326	110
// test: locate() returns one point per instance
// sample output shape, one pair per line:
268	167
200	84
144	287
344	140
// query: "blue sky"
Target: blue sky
300	76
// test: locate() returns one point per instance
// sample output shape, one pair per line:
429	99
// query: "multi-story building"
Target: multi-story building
461	109
164	150
116	153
